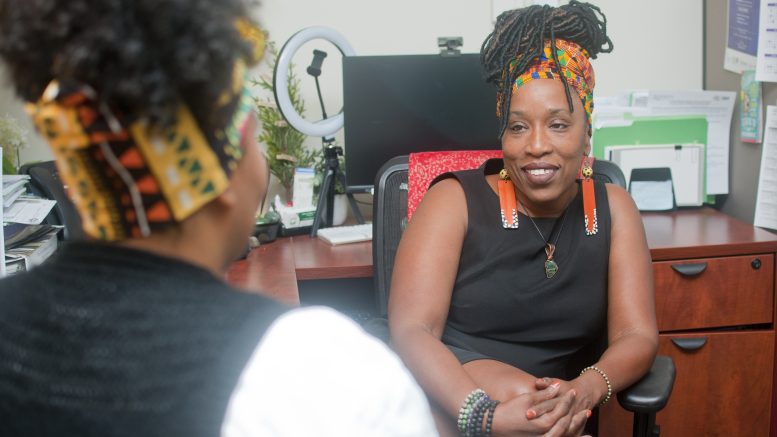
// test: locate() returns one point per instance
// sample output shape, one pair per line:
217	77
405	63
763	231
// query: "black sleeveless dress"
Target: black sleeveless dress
503	306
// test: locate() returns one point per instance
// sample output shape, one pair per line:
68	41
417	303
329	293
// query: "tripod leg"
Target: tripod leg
330	198
322	197
354	206
355	209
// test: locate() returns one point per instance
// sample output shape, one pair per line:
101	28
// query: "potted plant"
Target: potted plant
12	139
285	149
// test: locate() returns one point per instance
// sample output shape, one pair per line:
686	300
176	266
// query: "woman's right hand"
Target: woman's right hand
551	416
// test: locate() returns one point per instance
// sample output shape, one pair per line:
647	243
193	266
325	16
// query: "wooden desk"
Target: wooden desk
724	387
274	269
717	324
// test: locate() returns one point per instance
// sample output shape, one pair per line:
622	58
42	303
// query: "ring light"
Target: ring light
320	128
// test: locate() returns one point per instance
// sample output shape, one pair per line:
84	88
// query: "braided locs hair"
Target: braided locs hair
519	37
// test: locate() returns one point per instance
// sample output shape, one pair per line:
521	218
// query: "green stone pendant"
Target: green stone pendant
550	268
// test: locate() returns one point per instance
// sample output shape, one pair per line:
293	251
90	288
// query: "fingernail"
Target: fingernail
555	386
574	393
531	414
588	413
546	379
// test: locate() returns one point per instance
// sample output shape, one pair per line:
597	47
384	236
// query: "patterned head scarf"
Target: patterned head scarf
574	67
126	180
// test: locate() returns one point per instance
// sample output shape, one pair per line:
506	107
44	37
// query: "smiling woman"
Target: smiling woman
515	280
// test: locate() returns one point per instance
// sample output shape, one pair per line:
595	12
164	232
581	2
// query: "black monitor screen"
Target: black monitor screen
396	105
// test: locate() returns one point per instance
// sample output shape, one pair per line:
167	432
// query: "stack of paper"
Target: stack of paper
28	245
13	187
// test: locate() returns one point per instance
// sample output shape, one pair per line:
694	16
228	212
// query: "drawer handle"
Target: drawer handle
690	344
689	269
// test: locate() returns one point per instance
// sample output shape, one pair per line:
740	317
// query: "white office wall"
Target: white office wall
658	43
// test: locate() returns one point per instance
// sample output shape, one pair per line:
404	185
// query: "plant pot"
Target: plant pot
267	232
341	209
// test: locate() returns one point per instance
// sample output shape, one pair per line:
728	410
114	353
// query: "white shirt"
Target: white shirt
316	373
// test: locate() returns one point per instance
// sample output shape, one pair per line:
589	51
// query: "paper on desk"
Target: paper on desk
11	183
10	198
766	198
766	65
717	106
652	195
28	210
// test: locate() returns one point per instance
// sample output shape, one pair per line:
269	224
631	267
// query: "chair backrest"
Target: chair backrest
45	182
395	199
423	167
399	187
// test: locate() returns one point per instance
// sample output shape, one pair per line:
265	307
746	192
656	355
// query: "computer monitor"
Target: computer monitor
395	105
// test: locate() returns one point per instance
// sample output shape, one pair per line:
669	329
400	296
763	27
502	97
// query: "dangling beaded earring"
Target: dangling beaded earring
507	201
589	196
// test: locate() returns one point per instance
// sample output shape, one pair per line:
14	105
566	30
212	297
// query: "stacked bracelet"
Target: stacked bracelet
476	408
606	381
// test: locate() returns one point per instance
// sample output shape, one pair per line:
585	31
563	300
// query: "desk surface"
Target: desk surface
275	268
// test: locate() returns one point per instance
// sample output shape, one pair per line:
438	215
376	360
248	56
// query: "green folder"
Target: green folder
646	130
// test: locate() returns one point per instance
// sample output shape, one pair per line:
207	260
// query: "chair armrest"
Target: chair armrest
651	393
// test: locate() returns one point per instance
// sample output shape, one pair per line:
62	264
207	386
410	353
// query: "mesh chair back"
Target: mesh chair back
388	221
609	172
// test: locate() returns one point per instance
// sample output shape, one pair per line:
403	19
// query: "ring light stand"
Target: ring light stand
323	128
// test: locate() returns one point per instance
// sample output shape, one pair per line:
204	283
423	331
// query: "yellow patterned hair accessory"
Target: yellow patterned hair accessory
254	35
575	68
127	181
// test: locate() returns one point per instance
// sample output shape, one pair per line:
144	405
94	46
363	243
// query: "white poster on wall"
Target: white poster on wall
742	35
766	197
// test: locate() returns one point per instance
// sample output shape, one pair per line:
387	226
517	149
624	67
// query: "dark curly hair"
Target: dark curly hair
520	34
143	57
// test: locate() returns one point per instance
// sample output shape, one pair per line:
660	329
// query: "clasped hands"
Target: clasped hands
557	408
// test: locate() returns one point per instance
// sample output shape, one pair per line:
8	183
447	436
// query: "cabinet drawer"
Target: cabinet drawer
714	292
723	387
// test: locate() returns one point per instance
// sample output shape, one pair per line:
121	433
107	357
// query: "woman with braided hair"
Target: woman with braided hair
522	295
133	331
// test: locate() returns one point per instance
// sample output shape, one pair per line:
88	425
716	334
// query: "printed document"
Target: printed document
766	65
766	199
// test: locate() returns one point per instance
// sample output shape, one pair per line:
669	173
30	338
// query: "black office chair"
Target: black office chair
45	182
645	398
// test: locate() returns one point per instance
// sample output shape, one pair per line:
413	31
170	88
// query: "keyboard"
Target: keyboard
346	234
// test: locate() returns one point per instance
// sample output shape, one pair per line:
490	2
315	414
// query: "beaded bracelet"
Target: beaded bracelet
606	381
490	418
476	408
465	412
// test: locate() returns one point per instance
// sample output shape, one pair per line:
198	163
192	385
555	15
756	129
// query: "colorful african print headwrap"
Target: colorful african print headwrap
126	181
574	67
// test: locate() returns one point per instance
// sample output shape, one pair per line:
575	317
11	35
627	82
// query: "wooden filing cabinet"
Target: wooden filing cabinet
715	306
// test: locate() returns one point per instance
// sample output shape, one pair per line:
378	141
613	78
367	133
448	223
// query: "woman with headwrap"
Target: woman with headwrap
522	294
133	332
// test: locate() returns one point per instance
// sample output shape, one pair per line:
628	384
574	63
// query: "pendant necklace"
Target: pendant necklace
551	268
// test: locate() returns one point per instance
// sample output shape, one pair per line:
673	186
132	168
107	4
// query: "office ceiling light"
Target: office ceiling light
321	128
